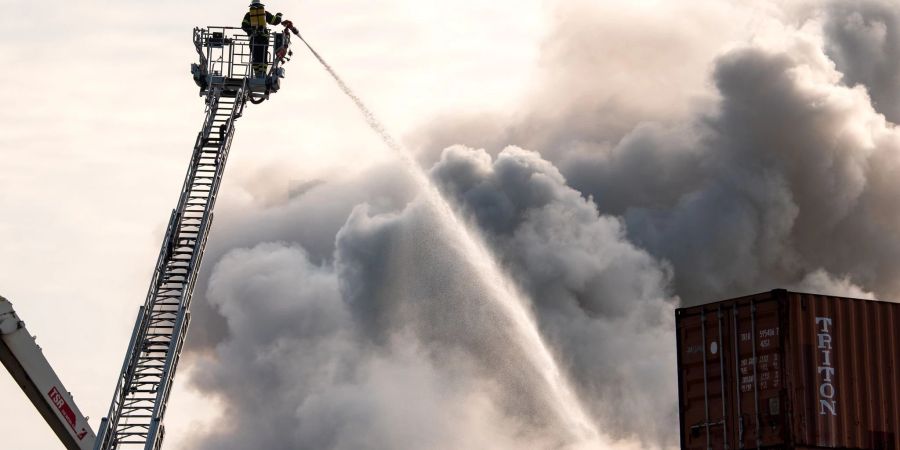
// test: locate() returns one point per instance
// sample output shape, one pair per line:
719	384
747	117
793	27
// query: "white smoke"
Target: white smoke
398	299
296	374
603	302
683	153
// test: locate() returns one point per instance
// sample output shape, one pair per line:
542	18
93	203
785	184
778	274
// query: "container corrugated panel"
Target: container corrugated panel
789	370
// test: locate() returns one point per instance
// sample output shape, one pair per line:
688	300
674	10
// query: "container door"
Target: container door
758	358
731	376
706	392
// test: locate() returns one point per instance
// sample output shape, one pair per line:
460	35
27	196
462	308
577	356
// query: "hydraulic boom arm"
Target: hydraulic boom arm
28	366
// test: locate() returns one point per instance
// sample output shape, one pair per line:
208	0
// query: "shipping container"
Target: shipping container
786	370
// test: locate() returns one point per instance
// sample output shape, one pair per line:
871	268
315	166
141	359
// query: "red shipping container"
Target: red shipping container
788	370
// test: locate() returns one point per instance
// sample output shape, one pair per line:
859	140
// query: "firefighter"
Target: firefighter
254	25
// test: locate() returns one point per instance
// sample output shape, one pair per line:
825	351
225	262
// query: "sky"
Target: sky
617	161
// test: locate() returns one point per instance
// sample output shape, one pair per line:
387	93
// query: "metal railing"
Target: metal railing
227	51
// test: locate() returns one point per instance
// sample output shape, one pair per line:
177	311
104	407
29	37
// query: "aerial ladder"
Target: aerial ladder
227	80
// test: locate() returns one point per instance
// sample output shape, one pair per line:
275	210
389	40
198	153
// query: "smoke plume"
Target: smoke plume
667	156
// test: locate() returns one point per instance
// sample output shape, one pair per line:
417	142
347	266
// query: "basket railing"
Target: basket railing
227	51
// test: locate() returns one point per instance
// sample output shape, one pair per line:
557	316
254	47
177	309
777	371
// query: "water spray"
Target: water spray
502	289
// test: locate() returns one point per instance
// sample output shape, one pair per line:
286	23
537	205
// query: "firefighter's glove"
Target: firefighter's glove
288	24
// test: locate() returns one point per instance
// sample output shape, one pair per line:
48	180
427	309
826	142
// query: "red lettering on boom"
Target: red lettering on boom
64	410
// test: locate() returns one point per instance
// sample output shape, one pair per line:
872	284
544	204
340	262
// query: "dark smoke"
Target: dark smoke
667	156
788	173
863	39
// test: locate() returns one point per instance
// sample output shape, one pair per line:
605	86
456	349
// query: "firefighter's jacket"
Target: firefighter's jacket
256	19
